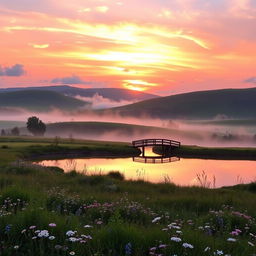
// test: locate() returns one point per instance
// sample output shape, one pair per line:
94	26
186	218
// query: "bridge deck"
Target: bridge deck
155	142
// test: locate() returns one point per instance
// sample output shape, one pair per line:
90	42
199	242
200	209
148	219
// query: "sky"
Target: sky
157	46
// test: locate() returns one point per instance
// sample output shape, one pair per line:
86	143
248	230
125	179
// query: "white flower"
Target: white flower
219	252
187	245
176	239
51	237
207	249
156	219
16	247
72	239
70	233
43	233
87	226
72	253
230	239
52	225
251	244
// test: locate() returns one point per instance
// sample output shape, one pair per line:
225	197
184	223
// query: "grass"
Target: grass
48	212
44	211
213	152
14	148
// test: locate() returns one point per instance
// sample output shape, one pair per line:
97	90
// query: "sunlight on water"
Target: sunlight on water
215	173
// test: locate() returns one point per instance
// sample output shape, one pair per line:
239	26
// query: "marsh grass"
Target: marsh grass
123	217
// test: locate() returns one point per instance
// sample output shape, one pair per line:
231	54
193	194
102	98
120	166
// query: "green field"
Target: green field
20	148
44	211
227	153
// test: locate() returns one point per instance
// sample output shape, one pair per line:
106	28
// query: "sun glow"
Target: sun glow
137	85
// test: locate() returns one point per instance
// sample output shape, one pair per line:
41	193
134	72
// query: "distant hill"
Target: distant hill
37	100
115	94
230	103
114	131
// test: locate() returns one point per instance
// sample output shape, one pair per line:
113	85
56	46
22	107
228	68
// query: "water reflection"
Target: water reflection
184	172
155	160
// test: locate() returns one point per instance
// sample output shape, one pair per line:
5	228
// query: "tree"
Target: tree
15	131
36	126
3	133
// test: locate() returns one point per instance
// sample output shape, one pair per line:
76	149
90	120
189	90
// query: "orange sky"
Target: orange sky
160	46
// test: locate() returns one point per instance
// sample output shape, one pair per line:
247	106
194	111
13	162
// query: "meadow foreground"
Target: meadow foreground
44	211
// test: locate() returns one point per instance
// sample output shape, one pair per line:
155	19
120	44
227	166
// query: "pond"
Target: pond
211	173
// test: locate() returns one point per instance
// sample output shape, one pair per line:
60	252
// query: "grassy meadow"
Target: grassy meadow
44	211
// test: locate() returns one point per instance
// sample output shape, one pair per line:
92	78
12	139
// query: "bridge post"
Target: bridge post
143	151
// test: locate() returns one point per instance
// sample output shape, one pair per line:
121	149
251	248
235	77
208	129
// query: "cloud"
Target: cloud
251	80
40	46
69	80
15	70
102	9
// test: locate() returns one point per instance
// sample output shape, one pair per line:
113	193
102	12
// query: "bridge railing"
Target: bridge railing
155	142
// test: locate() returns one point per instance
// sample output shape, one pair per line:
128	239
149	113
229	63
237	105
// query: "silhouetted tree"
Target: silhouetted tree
3	133
36	126
15	131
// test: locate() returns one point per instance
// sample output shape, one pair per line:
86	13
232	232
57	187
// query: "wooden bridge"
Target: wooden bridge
166	144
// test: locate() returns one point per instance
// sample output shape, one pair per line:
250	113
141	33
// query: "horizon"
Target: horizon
163	48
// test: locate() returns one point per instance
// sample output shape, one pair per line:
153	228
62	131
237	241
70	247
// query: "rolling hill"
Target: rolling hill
231	103
37	100
114	94
114	131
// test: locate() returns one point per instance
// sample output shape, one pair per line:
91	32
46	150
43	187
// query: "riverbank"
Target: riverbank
228	153
29	148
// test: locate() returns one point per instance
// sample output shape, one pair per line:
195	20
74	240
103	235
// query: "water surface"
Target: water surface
184	172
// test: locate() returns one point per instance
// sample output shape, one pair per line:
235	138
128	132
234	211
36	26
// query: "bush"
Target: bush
116	175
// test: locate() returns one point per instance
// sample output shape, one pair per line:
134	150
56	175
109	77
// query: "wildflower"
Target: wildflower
32	227
70	233
52	225
230	239
72	239
72	253
218	252
176	239
51	237
152	249
43	233
207	249
57	247
16	247
162	246
87	226
128	249
251	244
7	228
187	245
156	219
23	231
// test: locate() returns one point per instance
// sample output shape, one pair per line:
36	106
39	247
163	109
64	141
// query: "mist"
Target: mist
187	132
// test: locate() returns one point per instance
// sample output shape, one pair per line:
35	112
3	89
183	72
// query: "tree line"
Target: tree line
34	125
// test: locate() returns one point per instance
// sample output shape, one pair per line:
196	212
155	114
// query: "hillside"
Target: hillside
115	94
233	103
114	131
37	100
